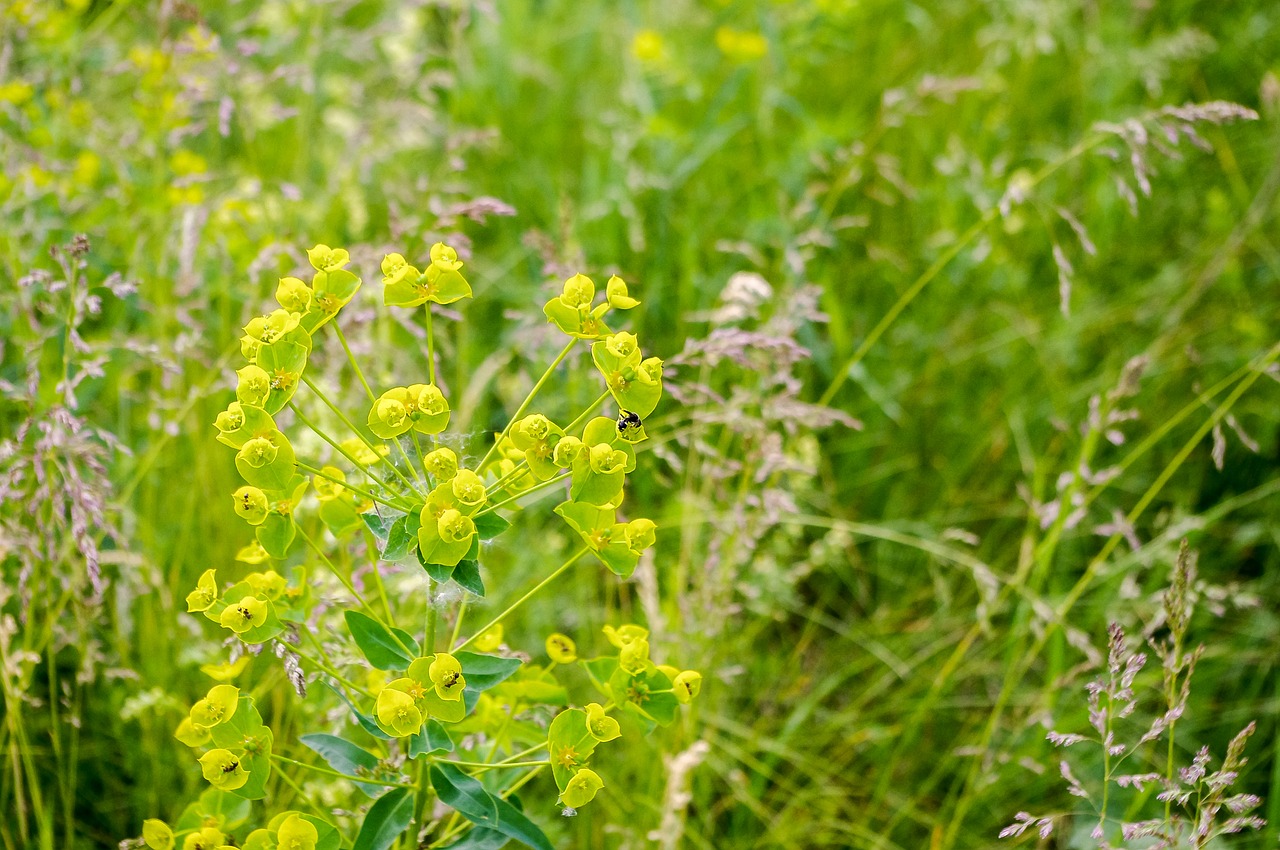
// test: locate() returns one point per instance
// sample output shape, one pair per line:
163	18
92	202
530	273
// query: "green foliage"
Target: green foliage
955	222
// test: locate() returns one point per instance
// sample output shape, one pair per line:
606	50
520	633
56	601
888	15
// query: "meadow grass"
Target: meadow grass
929	219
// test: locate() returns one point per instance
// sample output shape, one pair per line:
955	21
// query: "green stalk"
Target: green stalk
344	452
523	599
330	772
306	467
524	405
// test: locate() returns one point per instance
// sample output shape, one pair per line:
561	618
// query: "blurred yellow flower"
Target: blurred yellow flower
741	46
648	46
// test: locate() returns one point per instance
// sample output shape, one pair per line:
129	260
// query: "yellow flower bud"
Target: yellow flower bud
468	488
582	788
578	292
251	503
687	685
568	450
223	770
442	463
248	613
562	649
601	726
293	295
446	674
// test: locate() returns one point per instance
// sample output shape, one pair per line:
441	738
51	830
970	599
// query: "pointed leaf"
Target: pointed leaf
385	650
477	805
387	820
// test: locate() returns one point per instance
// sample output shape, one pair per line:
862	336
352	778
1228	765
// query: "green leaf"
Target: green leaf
601	670
467	575
380	646
438	572
387	820
483	672
477	805
479	838
378	524
276	535
345	757
399	538
339	516
430	739
366	722
490	525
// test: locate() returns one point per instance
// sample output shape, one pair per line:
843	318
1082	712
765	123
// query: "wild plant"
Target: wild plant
441	729
1194	804
60	523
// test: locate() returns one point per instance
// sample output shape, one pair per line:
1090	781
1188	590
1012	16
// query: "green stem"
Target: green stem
432	617
352	360
535	488
582	417
358	433
524	405
306	467
457	624
483	766
330	772
431	347
523	599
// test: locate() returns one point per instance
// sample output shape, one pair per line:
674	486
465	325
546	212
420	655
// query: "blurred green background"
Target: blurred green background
832	210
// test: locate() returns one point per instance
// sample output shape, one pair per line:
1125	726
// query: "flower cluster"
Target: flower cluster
395	486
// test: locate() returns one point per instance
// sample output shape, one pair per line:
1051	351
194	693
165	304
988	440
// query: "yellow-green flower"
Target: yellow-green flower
624	635
223	770
248	613
647	46
444	258
217	707
191	734
537	436
205	594
296	834
268	584
389	416
251	504
601	726
445	539
634	656
616	292
157	835
636	384
326	489
490	639
582	788
468	489
442	463
252	554
568	450
271	327
364	454
442	282
429	410
446	674
561	648
394	268
740	45
326	259
294	295
253	385
397	712
207	838
687	685
572	313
